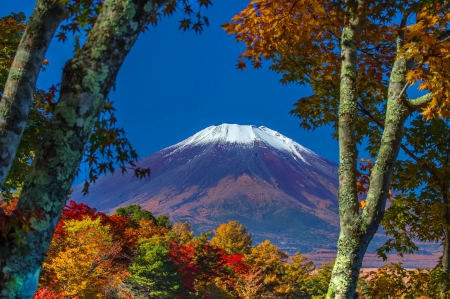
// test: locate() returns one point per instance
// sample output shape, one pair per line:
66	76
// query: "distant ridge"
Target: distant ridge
279	189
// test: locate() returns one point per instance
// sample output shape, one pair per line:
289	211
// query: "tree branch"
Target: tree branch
431	170
420	102
17	96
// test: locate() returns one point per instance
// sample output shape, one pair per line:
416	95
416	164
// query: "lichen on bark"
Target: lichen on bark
357	230
17	95
86	82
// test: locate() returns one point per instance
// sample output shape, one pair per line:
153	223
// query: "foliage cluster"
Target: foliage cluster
128	255
131	255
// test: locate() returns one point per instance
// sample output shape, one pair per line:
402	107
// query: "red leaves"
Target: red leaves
183	257
47	294
203	263
236	262
15	224
76	211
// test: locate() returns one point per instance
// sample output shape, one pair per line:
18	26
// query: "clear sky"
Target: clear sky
174	84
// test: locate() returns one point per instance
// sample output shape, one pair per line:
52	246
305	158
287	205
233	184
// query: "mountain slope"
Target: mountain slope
273	185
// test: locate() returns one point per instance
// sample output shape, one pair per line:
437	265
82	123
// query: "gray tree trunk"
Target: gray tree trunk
87	80
357	230
19	88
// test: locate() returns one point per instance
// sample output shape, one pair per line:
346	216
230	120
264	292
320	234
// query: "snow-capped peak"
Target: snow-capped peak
246	136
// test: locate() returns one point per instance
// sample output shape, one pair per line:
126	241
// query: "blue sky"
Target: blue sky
174	84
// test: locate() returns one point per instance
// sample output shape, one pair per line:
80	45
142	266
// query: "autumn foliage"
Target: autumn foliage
94	255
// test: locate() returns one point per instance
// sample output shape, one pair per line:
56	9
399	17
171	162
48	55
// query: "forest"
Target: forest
378	72
132	254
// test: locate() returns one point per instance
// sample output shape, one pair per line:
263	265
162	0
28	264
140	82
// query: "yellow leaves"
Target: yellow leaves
233	237
184	232
443	113
414	30
428	46
82	264
428	113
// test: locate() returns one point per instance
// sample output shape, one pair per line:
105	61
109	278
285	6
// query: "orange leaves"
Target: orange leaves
302	41
362	204
363	176
82	262
428	45
267	27
428	113
241	65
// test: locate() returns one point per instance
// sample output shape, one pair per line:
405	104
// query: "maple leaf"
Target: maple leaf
170	8
188	9
241	65
198	27
61	36
256	64
206	20
185	24
204	2
428	113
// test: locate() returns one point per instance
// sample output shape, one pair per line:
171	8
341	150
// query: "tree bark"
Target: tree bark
357	230
17	96
87	80
347	264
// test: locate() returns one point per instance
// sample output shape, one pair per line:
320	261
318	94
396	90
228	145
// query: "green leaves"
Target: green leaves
420	211
152	272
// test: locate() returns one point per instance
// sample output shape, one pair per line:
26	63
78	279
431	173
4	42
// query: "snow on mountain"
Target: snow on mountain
245	136
277	188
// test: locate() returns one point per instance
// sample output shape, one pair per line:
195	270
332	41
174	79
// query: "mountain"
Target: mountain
279	189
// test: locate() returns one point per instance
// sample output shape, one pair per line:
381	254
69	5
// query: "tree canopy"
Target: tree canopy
360	58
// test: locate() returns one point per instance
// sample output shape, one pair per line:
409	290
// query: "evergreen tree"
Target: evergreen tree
152	273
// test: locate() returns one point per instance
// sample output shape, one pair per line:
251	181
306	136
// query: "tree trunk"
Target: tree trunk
87	80
17	96
357	230
348	261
